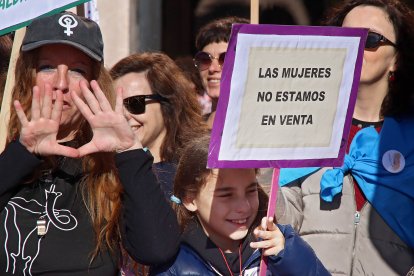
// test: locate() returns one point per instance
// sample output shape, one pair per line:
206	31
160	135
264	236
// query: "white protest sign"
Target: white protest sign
287	96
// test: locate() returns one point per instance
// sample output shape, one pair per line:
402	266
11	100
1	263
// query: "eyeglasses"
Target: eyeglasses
203	60
136	104
374	40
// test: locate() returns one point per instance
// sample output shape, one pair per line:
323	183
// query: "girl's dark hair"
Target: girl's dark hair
182	113
191	176
217	31
400	98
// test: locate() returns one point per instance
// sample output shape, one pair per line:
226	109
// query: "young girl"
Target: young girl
225	232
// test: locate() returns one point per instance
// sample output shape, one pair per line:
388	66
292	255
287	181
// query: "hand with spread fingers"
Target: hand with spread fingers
269	237
39	133
111	131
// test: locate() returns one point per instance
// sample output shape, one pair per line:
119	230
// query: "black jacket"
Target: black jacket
56	198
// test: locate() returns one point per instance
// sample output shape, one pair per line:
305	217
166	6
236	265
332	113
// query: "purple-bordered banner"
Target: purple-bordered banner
287	96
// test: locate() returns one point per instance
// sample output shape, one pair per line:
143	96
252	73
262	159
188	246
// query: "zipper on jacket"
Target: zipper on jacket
256	254
357	219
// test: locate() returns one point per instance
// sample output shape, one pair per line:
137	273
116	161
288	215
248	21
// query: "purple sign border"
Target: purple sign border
216	134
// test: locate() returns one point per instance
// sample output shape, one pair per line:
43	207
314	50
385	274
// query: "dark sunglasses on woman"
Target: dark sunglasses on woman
203	60
374	40
136	104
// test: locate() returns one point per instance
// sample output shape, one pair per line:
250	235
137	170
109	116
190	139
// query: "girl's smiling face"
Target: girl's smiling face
226	206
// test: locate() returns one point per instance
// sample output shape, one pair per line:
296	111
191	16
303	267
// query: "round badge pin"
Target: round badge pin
393	161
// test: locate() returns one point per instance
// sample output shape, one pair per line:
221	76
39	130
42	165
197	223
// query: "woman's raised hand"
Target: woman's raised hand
111	131
271	238
39	133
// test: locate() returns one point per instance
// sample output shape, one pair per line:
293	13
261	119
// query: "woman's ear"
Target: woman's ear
190	204
393	64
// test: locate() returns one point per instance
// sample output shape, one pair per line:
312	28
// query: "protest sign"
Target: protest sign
287	96
16	14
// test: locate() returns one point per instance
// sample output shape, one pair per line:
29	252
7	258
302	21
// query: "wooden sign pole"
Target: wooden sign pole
271	209
7	97
254	11
254	19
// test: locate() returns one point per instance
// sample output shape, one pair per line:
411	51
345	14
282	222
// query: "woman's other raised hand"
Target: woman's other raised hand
111	131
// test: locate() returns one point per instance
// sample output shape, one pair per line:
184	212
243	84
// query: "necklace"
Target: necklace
46	178
227	264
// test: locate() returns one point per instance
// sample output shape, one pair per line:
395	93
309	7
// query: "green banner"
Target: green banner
16	14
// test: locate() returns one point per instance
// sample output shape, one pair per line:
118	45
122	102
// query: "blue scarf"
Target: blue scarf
290	174
391	194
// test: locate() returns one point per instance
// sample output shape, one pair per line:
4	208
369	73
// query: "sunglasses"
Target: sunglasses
203	60
374	40
136	104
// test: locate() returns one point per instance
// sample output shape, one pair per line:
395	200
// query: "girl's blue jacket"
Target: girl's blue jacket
297	258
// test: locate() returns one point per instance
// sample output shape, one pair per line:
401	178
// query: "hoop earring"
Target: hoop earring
391	76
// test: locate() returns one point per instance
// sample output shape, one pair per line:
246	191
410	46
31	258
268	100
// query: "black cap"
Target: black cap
65	28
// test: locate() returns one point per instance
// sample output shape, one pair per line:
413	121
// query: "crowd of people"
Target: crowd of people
105	170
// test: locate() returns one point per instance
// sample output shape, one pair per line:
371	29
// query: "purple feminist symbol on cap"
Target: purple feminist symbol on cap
69	22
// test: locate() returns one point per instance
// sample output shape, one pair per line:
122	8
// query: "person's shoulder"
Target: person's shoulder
187	262
296	251
165	167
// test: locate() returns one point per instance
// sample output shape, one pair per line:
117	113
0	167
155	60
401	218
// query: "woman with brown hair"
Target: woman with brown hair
161	107
75	182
